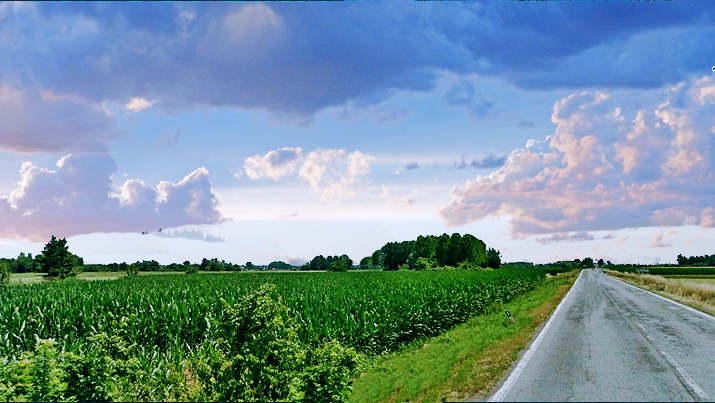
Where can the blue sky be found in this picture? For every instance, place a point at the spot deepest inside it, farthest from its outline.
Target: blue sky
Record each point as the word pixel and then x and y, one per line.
pixel 551 130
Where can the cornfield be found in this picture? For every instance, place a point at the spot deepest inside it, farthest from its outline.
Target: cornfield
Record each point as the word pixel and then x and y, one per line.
pixel 370 311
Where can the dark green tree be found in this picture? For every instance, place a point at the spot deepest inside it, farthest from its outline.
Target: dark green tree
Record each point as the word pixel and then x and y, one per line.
pixel 493 258
pixel 366 261
pixel 57 261
pixel 250 266
pixel 377 257
pixel 588 262
pixel 338 265
pixel 600 262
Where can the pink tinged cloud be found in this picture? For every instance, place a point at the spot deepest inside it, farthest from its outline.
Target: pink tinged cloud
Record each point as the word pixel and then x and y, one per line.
pixel 78 198
pixel 32 120
pixel 600 171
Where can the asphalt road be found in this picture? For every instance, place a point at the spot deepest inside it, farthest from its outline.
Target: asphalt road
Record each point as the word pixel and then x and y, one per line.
pixel 608 341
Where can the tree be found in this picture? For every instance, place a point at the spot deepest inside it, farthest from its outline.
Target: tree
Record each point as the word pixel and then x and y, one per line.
pixel 338 265
pixel 250 266
pixel 600 262
pixel 682 260
pixel 366 261
pixel 377 257
pixel 493 258
pixel 133 269
pixel 4 272
pixel 588 262
pixel 57 261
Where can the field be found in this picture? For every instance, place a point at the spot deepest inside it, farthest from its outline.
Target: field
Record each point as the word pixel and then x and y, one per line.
pixel 697 291
pixel 166 319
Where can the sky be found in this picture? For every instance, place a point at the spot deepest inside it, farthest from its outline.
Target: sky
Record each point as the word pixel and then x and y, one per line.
pixel 263 131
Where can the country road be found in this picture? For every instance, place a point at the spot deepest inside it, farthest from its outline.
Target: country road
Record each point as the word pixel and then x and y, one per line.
pixel 609 341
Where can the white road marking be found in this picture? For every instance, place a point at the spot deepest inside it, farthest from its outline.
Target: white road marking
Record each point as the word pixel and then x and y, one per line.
pixel 669 300
pixel 501 393
pixel 683 375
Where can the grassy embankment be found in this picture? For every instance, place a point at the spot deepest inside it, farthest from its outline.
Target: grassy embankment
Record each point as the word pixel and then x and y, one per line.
pixel 466 362
pixel 695 292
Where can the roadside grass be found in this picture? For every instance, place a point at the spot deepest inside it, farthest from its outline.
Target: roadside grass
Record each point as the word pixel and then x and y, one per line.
pixel 695 292
pixel 466 362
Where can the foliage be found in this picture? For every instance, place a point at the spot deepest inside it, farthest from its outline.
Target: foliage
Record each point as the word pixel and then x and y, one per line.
pixel 36 376
pixel 133 269
pixel 369 311
pixel 259 350
pixel 338 265
pixel 706 260
pixel 327 376
pixel 493 258
pixel 377 257
pixel 57 261
pixel 444 250
pixel 278 265
pixel 366 261
pixel 322 263
pixel 250 266
pixel 191 269
pixel 4 273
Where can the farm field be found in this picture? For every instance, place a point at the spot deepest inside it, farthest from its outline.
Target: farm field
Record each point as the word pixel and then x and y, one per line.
pixel 169 319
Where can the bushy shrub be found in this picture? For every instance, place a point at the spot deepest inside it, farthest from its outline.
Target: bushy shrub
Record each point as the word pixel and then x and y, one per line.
pixel 338 266
pixel 133 269
pixel 327 377
pixel 4 273
pixel 36 376
pixel 258 352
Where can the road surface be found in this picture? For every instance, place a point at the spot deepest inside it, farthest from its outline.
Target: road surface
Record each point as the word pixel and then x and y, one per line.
pixel 609 341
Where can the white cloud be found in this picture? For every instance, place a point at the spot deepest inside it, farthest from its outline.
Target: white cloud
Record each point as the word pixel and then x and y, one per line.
pixel 138 104
pixel 274 164
pixel 601 171
pixel 78 198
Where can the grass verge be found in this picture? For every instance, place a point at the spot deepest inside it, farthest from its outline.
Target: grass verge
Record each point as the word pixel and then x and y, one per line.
pixel 695 294
pixel 466 362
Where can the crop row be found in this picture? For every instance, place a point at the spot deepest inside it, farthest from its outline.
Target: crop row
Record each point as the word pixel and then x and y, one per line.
pixel 370 311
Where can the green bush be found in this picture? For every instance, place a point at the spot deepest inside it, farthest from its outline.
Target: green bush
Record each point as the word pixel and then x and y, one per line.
pixel 192 269
pixel 36 376
pixel 133 269
pixel 338 266
pixel 4 273
pixel 257 353
pixel 327 377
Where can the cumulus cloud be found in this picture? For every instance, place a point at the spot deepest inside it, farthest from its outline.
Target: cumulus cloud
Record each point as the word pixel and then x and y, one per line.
pixel 331 173
pixel 274 164
pixel 77 198
pixel 601 171
pixel 404 202
pixel 33 120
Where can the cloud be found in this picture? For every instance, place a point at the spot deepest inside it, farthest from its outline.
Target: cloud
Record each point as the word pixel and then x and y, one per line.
pixel 488 161
pixel 565 236
pixel 463 93
pixel 189 234
pixel 293 59
pixel 274 164
pixel 404 202
pixel 138 104
pixel 331 173
pixel 601 171
pixel 78 198
pixel 33 120
pixel 659 240
pixel 411 165
pixel 526 124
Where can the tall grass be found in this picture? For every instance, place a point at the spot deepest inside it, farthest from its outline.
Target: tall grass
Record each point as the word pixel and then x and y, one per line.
pixel 701 292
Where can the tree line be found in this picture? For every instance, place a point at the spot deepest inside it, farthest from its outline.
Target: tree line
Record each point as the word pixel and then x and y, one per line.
pixel 705 260
pixel 429 252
